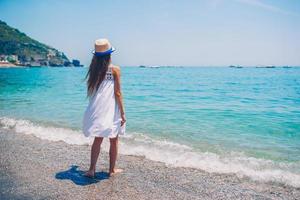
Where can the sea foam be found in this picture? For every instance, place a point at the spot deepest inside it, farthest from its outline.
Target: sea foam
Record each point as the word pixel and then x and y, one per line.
pixel 173 154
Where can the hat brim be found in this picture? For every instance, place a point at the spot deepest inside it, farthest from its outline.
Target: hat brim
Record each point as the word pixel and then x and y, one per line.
pixel 112 49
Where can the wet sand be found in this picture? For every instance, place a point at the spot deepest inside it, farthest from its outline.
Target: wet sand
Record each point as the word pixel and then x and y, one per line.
pixel 31 168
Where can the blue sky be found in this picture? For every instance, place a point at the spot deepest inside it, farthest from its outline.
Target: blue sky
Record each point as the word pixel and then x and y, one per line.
pixel 166 32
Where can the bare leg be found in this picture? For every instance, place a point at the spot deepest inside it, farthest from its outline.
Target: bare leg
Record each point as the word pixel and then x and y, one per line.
pixel 94 156
pixel 113 153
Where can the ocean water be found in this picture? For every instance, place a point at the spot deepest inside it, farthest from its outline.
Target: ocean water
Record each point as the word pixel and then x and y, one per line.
pixel 244 121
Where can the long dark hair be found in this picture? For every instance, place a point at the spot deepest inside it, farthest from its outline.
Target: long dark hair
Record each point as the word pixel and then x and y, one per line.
pixel 97 72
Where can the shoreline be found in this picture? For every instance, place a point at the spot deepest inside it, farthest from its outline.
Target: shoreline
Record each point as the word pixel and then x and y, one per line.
pixel 8 65
pixel 170 153
pixel 39 169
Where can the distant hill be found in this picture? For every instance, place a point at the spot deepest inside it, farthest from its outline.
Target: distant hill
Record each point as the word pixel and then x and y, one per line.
pixel 28 50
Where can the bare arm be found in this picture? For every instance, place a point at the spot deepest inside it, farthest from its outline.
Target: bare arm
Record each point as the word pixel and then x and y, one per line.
pixel 118 93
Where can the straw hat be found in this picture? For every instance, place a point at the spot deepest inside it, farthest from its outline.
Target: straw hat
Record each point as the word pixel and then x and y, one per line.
pixel 103 47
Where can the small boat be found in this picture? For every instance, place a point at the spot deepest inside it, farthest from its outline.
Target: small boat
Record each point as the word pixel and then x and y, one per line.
pixel 233 66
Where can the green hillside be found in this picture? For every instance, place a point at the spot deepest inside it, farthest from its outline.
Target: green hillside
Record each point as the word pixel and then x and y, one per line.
pixel 28 50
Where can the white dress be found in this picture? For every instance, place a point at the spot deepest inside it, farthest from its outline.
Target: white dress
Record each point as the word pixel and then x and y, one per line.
pixel 102 117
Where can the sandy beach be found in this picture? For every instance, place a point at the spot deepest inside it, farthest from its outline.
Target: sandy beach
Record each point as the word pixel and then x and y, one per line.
pixel 32 168
pixel 7 65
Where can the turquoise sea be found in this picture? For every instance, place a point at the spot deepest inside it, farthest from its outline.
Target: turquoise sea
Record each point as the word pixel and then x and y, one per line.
pixel 219 119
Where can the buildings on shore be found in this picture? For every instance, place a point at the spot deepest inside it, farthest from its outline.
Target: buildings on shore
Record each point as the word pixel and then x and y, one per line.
pixel 37 60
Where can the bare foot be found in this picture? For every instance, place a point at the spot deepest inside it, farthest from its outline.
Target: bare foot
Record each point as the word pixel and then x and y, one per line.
pixel 90 174
pixel 115 171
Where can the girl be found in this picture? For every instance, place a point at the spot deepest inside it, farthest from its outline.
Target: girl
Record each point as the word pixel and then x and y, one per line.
pixel 105 115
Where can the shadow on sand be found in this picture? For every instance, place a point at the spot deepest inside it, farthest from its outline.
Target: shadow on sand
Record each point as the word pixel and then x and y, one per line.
pixel 77 176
